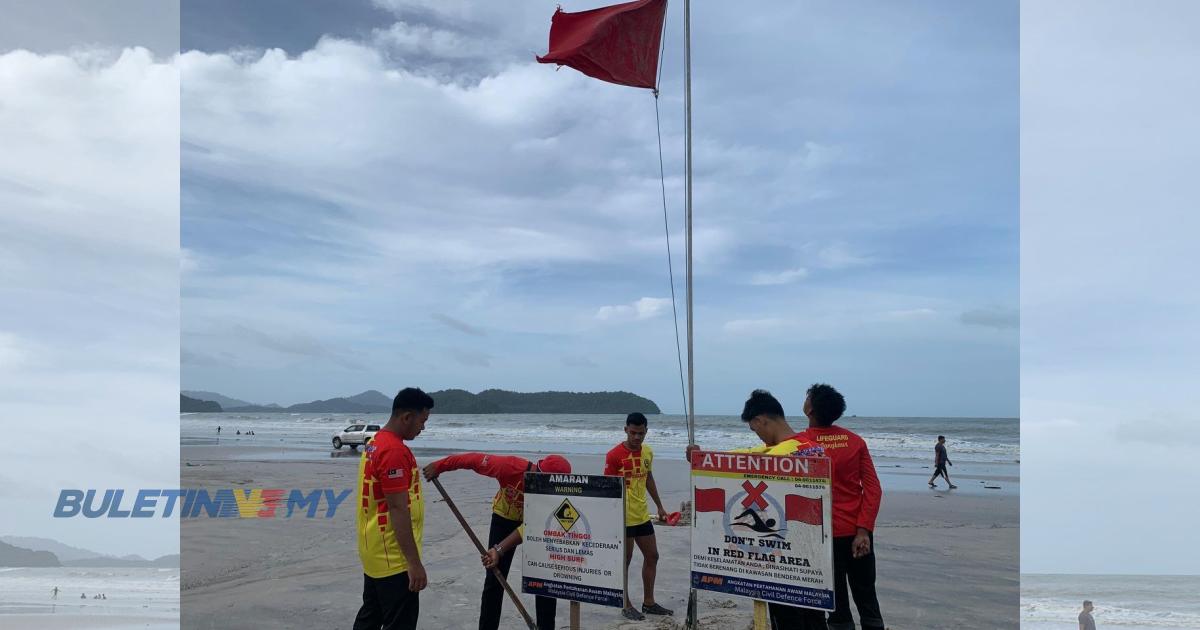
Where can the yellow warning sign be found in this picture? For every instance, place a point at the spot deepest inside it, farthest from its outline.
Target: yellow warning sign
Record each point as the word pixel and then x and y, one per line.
pixel 566 515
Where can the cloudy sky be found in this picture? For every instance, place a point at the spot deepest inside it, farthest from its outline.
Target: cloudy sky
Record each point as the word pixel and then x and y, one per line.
pixel 394 193
pixel 1109 302
pixel 89 264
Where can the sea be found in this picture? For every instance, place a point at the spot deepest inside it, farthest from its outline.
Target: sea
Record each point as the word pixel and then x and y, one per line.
pixel 143 597
pixel 985 448
pixel 1125 602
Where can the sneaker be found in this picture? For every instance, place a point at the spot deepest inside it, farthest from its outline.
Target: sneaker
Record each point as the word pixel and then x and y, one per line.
pixel 953 487
pixel 655 609
pixel 633 614
pixel 932 485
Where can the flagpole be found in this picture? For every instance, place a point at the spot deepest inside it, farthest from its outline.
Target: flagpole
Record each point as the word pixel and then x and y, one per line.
pixel 687 106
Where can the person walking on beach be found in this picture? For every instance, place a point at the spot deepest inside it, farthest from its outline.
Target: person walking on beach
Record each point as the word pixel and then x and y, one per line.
pixel 941 459
pixel 508 509
pixel 856 498
pixel 763 414
pixel 54 593
pixel 391 519
pixel 1085 618
pixel 632 460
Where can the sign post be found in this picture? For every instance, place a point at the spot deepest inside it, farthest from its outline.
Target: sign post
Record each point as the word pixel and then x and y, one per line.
pixel 761 527
pixel 574 546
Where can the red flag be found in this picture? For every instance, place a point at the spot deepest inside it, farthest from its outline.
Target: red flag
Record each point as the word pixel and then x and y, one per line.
pixel 618 44
pixel 803 509
pixel 710 499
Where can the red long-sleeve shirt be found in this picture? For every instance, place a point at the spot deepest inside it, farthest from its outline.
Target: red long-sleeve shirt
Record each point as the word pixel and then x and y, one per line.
pixel 508 470
pixel 856 489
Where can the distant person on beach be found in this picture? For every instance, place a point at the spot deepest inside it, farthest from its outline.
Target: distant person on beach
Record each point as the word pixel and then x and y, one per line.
pixel 391 519
pixel 54 593
pixel 508 510
pixel 856 498
pixel 763 414
pixel 218 429
pixel 1085 618
pixel 941 459
pixel 632 460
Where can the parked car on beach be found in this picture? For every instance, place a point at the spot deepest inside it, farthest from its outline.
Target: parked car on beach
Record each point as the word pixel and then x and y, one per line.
pixel 354 435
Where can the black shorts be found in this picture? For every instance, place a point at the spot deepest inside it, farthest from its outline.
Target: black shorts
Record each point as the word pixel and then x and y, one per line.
pixel 637 531
pixel 940 469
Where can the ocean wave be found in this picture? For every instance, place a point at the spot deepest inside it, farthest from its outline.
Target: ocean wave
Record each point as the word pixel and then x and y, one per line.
pixel 970 441
pixel 1115 616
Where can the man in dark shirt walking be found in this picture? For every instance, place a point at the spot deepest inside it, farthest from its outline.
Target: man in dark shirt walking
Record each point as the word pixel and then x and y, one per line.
pixel 941 460
pixel 1085 618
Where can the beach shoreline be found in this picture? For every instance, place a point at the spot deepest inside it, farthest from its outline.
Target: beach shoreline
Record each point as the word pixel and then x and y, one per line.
pixel 945 559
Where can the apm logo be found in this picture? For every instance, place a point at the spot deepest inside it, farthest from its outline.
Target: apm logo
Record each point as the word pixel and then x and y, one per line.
pixel 194 503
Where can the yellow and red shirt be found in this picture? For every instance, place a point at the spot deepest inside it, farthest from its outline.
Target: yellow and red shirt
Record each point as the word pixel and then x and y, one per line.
pixel 507 470
pixel 797 445
pixel 635 467
pixel 386 467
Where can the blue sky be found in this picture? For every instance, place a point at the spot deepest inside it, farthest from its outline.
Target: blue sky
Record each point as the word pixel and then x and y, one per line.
pixel 397 194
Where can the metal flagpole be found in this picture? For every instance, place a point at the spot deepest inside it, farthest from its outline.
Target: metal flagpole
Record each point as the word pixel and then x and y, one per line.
pixel 687 104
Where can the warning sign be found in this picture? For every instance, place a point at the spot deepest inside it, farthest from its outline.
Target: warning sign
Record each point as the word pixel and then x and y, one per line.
pixel 574 538
pixel 762 527
pixel 567 515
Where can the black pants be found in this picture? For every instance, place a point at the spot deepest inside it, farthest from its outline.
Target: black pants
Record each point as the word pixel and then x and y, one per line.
pixel 860 573
pixel 388 604
pixel 795 618
pixel 493 591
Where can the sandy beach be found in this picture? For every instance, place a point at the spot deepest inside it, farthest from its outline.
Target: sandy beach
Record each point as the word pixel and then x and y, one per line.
pixel 946 560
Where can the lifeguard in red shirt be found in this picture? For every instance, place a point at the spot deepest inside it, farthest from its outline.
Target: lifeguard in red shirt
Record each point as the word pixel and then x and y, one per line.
pixel 856 497
pixel 508 510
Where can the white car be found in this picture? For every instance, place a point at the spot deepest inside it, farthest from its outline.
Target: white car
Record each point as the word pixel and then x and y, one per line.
pixel 354 435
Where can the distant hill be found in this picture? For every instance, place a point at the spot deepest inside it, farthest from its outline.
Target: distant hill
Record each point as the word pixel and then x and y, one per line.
pixel 65 553
pixel 68 556
pixel 225 401
pixel 334 405
pixel 191 405
pixel 462 401
pixel 11 556
pixel 127 561
pixel 558 402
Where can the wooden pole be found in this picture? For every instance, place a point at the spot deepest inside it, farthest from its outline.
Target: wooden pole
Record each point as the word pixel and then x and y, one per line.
pixel 574 615
pixel 478 545
pixel 762 615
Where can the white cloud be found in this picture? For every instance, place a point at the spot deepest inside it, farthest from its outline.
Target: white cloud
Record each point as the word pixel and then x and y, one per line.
pixel 840 256
pixel 644 308
pixel 780 277
pixel 89 186
pixel 906 314
pixel 756 326
pixel 13 351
